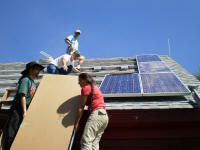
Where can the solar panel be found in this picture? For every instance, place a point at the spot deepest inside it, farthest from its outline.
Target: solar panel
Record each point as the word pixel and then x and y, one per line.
pixel 147 58
pixel 162 84
pixel 121 85
pixel 152 67
pixel 154 79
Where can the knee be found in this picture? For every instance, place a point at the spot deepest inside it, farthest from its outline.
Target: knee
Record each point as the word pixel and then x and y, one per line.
pixel 84 143
pixel 82 58
pixel 51 69
pixel 69 70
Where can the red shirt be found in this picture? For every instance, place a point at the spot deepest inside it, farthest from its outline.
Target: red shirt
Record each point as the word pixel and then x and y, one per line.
pixel 98 100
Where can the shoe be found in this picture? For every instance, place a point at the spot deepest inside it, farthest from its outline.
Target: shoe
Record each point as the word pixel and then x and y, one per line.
pixel 78 67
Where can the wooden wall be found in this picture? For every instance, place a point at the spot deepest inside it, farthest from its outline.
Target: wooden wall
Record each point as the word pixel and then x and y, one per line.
pixel 149 130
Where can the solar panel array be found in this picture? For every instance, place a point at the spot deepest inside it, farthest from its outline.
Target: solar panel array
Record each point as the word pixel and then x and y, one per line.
pixel 154 79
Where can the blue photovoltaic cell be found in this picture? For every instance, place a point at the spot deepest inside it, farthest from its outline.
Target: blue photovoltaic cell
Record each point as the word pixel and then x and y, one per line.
pixel 152 67
pixel 148 58
pixel 121 84
pixel 162 84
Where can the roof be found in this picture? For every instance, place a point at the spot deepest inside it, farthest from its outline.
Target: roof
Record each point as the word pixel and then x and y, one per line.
pixel 98 68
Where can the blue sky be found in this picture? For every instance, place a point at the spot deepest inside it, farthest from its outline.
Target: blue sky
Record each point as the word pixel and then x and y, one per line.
pixel 111 28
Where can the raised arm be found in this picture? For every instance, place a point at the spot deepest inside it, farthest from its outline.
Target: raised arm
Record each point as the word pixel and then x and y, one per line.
pixel 68 42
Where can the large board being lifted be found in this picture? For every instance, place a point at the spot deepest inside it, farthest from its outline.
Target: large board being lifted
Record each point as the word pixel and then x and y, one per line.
pixel 51 116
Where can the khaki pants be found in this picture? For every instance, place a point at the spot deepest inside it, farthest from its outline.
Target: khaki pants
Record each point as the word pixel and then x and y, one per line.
pixel 94 128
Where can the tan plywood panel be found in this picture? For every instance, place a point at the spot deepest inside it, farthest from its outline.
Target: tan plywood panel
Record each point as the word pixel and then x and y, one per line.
pixel 51 116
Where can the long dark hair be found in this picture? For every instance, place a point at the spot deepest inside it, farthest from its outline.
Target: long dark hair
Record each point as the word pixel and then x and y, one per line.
pixel 30 65
pixel 88 78
pixel 24 73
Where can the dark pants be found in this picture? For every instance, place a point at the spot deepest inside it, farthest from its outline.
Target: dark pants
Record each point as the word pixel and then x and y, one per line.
pixel 12 127
pixel 52 69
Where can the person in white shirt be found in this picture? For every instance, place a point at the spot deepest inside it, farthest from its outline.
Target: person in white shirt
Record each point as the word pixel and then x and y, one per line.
pixel 64 64
pixel 72 42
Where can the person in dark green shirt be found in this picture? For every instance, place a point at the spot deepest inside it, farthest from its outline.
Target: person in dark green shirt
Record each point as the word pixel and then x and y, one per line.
pixel 25 92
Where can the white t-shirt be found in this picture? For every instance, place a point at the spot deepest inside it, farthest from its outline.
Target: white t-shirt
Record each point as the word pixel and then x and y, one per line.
pixel 58 61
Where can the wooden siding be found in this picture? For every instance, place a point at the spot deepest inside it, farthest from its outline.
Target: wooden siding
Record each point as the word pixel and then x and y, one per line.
pixel 149 130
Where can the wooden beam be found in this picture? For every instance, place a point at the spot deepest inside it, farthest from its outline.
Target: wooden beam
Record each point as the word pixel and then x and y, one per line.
pixel 5 97
pixel 12 90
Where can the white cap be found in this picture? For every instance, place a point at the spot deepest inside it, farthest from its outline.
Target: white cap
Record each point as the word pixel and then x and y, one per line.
pixel 78 31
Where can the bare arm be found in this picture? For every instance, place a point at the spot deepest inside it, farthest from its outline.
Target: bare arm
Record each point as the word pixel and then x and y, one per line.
pixel 76 70
pixel 64 62
pixel 68 42
pixel 70 45
pixel 23 104
pixel 80 110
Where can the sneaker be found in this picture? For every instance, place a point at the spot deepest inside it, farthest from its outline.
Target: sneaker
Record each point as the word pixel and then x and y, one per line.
pixel 78 67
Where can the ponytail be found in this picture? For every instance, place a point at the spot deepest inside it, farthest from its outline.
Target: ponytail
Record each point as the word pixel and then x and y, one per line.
pixel 88 78
pixel 24 73
pixel 92 92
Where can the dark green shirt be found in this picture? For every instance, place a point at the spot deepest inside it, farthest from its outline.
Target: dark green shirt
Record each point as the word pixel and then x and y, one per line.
pixel 28 88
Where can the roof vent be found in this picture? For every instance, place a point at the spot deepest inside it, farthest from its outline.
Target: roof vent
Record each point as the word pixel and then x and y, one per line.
pixel 124 59
pixel 97 68
pixel 123 68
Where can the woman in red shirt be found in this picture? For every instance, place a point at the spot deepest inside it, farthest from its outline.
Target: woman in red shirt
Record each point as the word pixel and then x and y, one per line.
pixel 98 118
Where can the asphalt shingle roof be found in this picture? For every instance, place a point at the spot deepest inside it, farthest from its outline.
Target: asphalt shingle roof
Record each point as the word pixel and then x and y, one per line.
pixel 98 68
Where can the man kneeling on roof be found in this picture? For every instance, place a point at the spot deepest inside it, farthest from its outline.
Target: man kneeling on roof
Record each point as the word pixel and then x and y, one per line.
pixel 64 64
